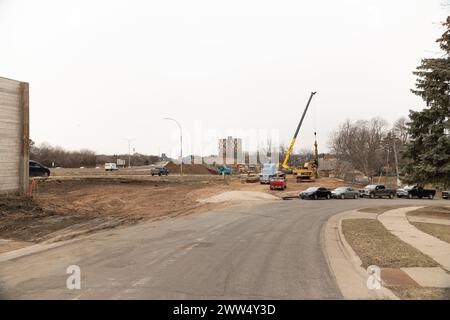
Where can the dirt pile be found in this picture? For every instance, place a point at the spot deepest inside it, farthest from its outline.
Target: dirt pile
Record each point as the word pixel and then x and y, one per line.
pixel 189 168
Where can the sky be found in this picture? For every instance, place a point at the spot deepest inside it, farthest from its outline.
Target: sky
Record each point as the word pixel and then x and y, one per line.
pixel 102 72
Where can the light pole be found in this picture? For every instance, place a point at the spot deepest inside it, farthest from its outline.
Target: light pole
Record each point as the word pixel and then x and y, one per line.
pixel 181 143
pixel 129 152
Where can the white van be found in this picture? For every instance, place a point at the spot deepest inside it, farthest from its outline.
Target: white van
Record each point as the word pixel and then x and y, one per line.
pixel 110 166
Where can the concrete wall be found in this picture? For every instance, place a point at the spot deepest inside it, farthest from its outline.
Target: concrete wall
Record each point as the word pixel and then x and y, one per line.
pixel 14 136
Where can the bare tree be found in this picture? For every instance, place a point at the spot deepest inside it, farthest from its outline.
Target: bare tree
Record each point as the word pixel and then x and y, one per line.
pixel 361 144
pixel 400 130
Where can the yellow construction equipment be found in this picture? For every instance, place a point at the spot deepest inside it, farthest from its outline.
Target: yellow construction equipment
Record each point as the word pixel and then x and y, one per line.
pixel 309 169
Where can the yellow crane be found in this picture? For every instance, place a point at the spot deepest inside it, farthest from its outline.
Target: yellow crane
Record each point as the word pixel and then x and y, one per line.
pixel 309 168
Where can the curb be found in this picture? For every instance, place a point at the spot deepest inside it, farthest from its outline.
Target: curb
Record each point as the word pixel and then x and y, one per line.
pixel 345 265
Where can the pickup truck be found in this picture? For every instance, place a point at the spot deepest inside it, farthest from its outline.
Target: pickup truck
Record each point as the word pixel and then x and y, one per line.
pixel 159 171
pixel 415 192
pixel 377 191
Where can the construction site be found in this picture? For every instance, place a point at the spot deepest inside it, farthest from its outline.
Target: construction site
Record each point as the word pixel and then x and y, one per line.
pixel 70 202
pixel 201 163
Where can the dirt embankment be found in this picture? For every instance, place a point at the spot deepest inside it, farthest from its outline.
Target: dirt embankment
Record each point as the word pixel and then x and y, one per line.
pixel 189 169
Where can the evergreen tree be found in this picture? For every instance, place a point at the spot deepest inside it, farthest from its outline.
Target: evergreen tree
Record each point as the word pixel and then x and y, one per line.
pixel 427 153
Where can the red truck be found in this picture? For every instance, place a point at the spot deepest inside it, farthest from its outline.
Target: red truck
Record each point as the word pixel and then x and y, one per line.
pixel 278 182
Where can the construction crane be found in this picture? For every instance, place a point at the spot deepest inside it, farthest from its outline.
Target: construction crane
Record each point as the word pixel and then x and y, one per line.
pixel 309 168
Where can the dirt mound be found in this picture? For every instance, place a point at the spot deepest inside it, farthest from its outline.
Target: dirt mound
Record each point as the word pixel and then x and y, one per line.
pixel 190 168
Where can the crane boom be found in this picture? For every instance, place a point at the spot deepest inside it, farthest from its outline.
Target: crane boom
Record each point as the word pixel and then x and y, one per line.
pixel 291 146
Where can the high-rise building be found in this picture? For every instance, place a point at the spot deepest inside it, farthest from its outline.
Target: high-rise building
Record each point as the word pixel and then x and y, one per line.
pixel 230 151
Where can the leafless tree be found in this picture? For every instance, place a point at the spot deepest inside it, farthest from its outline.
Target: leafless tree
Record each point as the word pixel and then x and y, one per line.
pixel 400 130
pixel 361 144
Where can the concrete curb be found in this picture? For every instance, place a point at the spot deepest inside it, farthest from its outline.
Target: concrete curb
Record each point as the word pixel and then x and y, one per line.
pixel 345 264
pixel 10 255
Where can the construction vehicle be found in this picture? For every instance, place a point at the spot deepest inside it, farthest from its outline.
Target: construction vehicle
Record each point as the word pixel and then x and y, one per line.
pixel 268 171
pixel 309 169
pixel 223 170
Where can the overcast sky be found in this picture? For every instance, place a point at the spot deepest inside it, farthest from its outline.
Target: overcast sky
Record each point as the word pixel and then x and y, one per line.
pixel 103 71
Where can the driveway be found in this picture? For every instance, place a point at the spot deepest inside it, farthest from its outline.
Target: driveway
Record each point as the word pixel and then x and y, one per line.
pixel 257 250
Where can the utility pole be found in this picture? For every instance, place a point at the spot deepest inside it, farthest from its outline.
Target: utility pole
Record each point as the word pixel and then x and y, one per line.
pixel 395 159
pixel 181 143
pixel 129 151
pixel 316 157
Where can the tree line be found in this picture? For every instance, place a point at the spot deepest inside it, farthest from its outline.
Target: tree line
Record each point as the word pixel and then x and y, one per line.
pixel 54 156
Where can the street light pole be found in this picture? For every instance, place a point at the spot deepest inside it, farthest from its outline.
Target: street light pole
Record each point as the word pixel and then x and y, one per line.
pixel 181 143
pixel 129 151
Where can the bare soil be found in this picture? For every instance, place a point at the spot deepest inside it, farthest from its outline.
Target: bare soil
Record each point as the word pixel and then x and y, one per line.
pixel 375 245
pixel 66 206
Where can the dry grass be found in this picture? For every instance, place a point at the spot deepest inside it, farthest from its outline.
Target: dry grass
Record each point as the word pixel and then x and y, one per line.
pixel 439 212
pixel 439 231
pixel 382 209
pixel 419 293
pixel 375 245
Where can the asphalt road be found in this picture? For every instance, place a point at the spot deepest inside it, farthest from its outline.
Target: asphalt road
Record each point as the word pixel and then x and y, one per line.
pixel 263 250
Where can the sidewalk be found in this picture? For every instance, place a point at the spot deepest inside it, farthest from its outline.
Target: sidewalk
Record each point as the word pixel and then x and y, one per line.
pixel 397 223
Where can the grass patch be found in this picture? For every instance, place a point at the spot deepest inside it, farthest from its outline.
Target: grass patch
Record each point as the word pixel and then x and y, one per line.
pixel 382 209
pixel 377 246
pixel 439 212
pixel 419 293
pixel 439 231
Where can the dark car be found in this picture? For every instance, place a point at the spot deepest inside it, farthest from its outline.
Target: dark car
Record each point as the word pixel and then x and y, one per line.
pixel 415 192
pixel 159 171
pixel 38 170
pixel 315 193
pixel 377 191
pixel 446 195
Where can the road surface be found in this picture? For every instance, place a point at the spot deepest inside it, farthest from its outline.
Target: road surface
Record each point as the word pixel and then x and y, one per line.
pixel 258 250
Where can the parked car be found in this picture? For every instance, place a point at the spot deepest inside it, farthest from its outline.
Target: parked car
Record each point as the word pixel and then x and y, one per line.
pixel 377 191
pixel 159 171
pixel 414 191
pixel 38 170
pixel 315 193
pixel 345 193
pixel 278 182
pixel 446 195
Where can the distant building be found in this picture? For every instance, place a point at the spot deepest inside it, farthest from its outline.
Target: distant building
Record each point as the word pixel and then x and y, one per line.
pixel 230 151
